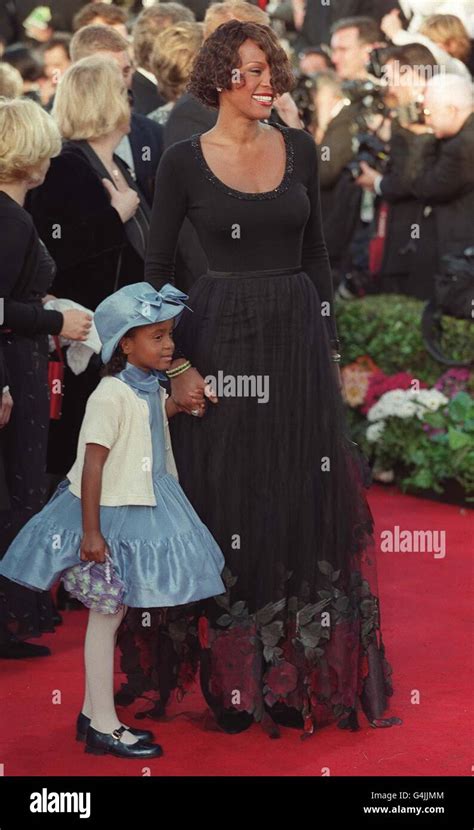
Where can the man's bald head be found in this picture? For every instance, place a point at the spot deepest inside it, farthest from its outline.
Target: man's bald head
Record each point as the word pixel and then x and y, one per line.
pixel 449 100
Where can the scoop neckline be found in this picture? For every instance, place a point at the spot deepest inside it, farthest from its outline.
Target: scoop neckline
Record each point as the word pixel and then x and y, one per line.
pixel 243 194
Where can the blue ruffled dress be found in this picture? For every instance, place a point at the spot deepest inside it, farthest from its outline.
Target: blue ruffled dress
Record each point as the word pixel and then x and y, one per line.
pixel 164 554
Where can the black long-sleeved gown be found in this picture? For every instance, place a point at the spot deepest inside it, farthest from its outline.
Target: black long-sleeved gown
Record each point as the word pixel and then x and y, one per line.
pixel 269 469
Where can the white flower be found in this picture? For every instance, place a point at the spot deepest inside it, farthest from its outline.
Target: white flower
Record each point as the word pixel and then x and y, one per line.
pixel 374 431
pixel 388 404
pixel 406 410
pixel 406 403
pixel 431 398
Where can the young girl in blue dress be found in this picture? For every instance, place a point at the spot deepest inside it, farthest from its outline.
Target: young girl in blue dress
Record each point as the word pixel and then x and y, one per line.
pixel 122 501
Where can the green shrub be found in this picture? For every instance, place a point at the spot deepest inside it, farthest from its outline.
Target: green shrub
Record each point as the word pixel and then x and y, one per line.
pixel 387 327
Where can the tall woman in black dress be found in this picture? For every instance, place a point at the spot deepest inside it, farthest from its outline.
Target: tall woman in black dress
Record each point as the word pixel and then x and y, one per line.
pixel 296 639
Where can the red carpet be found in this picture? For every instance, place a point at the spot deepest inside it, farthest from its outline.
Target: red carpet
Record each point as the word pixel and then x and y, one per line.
pixel 426 606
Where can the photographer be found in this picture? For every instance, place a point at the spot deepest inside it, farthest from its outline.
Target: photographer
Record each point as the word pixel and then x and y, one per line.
pixel 408 259
pixel 352 40
pixel 440 165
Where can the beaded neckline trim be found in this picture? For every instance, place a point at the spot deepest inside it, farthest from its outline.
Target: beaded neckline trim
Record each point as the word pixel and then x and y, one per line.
pixel 240 194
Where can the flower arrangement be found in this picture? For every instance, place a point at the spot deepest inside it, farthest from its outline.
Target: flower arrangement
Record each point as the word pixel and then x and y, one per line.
pixel 422 436
pixel 383 351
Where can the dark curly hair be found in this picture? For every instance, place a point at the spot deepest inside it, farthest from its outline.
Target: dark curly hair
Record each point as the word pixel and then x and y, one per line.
pixel 118 360
pixel 219 55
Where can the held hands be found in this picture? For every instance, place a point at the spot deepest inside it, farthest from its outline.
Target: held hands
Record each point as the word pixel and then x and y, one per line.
pixel 189 392
pixel 76 325
pixel 124 199
pixel 93 546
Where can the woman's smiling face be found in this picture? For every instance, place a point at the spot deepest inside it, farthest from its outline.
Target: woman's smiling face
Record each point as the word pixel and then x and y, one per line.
pixel 251 94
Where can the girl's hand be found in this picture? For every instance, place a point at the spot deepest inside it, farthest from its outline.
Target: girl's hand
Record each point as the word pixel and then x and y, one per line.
pixel 93 546
pixel 188 392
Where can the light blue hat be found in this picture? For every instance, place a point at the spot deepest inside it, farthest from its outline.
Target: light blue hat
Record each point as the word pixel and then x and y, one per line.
pixel 135 305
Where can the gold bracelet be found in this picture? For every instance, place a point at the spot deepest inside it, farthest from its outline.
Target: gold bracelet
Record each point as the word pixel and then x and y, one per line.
pixel 180 372
pixel 173 373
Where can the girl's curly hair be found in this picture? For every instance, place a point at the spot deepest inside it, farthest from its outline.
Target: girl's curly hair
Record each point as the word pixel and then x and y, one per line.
pixel 219 56
pixel 118 360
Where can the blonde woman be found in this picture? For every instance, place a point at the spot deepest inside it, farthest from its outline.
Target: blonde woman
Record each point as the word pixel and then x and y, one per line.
pixel 448 32
pixel 29 138
pixel 90 215
pixel 172 61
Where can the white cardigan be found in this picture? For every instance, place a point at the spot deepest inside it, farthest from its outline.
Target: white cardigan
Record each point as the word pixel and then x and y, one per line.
pixel 117 418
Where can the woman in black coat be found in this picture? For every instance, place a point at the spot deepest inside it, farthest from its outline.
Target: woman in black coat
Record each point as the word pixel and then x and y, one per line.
pixel 92 218
pixel 28 139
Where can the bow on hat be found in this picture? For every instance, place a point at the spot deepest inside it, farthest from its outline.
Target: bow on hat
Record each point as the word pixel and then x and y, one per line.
pixel 167 294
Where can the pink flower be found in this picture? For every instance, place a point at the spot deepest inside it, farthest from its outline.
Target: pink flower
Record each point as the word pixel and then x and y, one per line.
pixel 453 381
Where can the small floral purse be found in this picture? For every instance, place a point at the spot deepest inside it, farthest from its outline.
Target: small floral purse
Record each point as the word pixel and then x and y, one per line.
pixel 96 585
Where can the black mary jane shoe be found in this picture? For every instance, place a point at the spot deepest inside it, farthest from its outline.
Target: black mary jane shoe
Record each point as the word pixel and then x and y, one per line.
pixel 103 743
pixel 83 723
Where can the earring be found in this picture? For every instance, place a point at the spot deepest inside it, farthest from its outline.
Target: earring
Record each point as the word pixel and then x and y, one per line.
pixel 219 88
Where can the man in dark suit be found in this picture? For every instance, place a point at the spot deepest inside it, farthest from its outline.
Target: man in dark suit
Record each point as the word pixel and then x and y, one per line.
pixel 150 22
pixel 142 148
pixel 146 96
pixel 409 251
pixel 187 117
pixel 440 165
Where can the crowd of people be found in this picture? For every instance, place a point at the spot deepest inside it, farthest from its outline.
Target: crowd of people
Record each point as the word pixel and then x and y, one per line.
pixel 92 97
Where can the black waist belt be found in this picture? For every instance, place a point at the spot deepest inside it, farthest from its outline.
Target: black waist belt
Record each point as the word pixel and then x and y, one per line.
pixel 271 272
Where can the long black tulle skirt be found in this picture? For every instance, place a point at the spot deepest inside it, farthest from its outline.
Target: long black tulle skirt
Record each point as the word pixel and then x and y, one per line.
pixel 272 472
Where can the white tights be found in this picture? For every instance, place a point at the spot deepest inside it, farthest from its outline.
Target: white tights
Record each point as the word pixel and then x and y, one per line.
pixel 99 647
